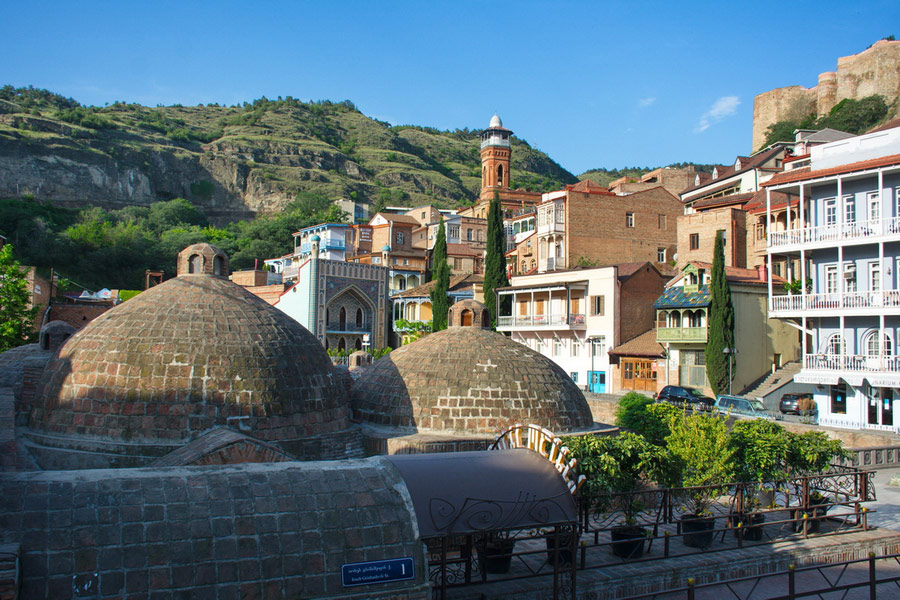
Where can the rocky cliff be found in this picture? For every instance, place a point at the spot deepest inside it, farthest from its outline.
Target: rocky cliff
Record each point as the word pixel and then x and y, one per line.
pixel 237 161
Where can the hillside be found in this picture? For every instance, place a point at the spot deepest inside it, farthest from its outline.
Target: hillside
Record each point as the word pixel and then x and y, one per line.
pixel 234 162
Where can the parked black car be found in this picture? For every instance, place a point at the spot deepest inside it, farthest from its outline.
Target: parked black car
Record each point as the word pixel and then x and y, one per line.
pixel 685 396
pixel 790 403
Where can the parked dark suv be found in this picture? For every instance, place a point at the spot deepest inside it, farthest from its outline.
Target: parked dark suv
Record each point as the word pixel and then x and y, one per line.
pixel 790 404
pixel 685 396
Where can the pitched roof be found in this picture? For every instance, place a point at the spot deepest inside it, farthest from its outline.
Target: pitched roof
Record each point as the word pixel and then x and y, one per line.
pixel 747 163
pixel 587 186
pixel 889 125
pixel 677 297
pixel 644 344
pixel 806 173
pixel 724 200
pixel 397 218
pixel 462 250
pixel 457 282
pixel 737 274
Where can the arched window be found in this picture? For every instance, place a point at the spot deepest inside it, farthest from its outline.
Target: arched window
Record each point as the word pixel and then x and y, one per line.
pixel 872 347
pixel 524 264
pixel 195 264
pixel 484 319
pixel 359 343
pixel 359 317
pixel 532 264
pixel 674 319
pixel 835 344
pixel 343 321
pixel 218 266
pixel 342 345
pixel 466 318
pixel 484 176
pixel 500 175
pixel 327 316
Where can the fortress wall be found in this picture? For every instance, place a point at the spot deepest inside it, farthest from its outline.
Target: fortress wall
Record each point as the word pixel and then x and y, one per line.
pixel 875 70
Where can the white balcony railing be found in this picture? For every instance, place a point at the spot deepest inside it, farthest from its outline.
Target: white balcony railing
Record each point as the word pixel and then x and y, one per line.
pixel 828 233
pixel 852 362
pixel 289 272
pixel 833 301
pixel 541 320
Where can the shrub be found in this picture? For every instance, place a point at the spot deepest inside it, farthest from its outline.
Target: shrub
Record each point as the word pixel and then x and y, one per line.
pixel 813 452
pixel 643 416
pixel 702 456
pixel 761 450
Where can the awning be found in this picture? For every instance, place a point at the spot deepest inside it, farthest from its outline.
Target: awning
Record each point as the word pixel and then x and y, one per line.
pixel 469 492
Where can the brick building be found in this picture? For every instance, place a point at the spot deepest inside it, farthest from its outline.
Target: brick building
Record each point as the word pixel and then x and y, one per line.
pixel 586 224
pixel 387 240
pixel 672 179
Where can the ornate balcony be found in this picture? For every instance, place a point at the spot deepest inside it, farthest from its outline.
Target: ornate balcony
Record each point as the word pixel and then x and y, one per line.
pixel 572 321
pixel 836 302
pixel 681 334
pixel 834 233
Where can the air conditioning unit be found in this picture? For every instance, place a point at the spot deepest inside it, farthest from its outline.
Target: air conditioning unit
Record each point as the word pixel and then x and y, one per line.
pixel 849 270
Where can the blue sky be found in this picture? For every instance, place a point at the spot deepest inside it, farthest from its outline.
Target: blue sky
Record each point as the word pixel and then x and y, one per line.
pixel 593 84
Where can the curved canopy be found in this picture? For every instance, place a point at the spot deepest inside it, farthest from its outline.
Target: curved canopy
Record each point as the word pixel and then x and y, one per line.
pixel 468 492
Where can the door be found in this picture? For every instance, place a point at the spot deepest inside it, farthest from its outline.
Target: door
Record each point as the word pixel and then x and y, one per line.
pixel 597 382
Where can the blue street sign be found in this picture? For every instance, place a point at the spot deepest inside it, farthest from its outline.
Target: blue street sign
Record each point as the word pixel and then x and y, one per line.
pixel 377 571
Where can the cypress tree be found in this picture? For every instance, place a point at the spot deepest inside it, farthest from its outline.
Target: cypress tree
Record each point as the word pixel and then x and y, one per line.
pixel 440 303
pixel 495 260
pixel 720 323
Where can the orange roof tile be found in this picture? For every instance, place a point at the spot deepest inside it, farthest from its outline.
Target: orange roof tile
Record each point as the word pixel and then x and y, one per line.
pixel 806 173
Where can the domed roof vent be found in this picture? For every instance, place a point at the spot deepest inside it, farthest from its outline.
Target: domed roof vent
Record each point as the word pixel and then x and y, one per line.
pixel 203 259
pixel 469 313
pixel 54 333
pixel 495 122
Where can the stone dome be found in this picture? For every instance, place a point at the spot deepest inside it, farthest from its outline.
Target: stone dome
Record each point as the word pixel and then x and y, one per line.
pixel 468 380
pixel 495 122
pixel 190 354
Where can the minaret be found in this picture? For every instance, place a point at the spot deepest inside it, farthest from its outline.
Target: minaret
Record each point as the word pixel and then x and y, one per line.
pixel 495 156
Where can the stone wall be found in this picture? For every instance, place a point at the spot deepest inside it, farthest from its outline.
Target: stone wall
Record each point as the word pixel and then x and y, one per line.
pixel 872 71
pixel 279 530
pixel 705 224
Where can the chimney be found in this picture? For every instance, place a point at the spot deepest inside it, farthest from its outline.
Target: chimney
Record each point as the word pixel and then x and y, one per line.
pixel 761 272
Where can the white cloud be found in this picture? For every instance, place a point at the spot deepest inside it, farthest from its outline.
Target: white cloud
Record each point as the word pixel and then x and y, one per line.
pixel 721 108
pixel 644 102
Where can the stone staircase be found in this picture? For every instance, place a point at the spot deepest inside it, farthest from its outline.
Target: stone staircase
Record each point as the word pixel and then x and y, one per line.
pixel 773 381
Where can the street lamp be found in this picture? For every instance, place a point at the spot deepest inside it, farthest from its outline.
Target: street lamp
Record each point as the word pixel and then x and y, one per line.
pixel 729 352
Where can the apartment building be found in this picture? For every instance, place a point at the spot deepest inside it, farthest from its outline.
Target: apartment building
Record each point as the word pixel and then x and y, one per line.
pixel 682 327
pixel 574 316
pixel 845 242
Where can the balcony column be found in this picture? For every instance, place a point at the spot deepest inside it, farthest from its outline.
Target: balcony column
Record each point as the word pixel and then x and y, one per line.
pixel 883 228
pixel 804 349
pixel 802 208
pixel 568 304
pixel 769 238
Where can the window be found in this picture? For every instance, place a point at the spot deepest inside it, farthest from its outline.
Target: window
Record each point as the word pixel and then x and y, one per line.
pixel 872 347
pixel 875 276
pixel 629 219
pixel 830 211
pixel 831 279
pixel 453 231
pixel 849 209
pixel 405 261
pixel 724 235
pixel 574 376
pixel 838 400
pixel 761 230
pixel 557 347
pixel 598 305
pixel 874 201
pixel 834 345
pixel 661 255
pixel 598 346
pixel 576 348
pixel 695 241
pixel 399 237
pixel 423 215
pixel 457 263
pixel 661 221
pixel 560 215
pixel 469 234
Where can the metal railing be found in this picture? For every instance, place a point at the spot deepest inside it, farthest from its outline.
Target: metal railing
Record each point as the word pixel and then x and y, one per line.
pixel 540 320
pixel 851 362
pixel 836 300
pixel 828 233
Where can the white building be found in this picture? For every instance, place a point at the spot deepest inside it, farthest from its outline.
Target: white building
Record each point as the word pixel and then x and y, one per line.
pixel 574 316
pixel 844 236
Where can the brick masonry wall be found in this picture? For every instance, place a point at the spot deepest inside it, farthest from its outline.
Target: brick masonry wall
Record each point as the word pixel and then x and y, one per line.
pixel 249 531
pixel 705 225
pixel 637 295
pixel 595 226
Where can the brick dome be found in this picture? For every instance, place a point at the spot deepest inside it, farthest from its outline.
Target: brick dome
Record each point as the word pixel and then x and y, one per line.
pixel 468 380
pixel 190 354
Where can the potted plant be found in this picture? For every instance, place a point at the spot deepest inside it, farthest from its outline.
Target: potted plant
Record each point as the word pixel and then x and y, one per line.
pixel 704 459
pixel 812 453
pixel 495 552
pixel 615 468
pixel 761 451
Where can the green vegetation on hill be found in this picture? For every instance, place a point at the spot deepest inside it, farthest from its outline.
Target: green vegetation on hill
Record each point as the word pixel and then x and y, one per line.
pixel 97 248
pixel 604 177
pixel 268 149
pixel 849 115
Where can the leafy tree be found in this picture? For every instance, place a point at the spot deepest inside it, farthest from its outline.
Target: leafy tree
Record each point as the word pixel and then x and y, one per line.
pixel 643 416
pixel 440 302
pixel 495 260
pixel 812 452
pixel 855 116
pixel 702 456
pixel 16 319
pixel 761 450
pixel 721 323
pixel 173 213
